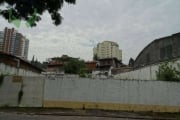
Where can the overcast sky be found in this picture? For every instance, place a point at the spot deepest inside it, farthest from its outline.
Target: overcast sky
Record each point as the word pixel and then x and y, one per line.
pixel 133 24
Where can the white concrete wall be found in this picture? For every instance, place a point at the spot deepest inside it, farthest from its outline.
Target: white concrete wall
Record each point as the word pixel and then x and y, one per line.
pixel 9 92
pixel 37 90
pixel 113 91
pixel 145 73
pixel 33 88
pixel 9 70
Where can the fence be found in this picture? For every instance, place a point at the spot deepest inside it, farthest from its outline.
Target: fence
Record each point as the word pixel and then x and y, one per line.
pixel 82 93
pixel 18 91
pixel 144 73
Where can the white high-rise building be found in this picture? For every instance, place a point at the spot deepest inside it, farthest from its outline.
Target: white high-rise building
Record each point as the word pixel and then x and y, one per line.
pixel 25 48
pixel 107 49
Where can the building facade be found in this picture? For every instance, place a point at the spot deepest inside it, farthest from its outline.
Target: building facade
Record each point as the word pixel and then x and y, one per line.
pixel 26 48
pixel 107 49
pixel 13 65
pixel 14 43
pixel 107 63
pixel 9 40
pixel 149 60
pixel 159 50
pixel 91 66
pixel 56 64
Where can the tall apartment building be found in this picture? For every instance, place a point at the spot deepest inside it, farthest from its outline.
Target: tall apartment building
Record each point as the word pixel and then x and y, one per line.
pixel 9 39
pixel 15 43
pixel 107 49
pixel 26 48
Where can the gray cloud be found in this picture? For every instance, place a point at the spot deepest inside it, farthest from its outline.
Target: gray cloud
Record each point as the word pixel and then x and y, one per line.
pixel 133 24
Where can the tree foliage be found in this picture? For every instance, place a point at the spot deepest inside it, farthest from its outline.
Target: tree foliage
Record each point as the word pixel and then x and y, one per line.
pixel 74 66
pixel 29 10
pixel 167 72
pixel 38 63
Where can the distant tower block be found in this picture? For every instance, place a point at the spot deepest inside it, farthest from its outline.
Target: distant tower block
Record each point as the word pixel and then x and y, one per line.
pixel 107 49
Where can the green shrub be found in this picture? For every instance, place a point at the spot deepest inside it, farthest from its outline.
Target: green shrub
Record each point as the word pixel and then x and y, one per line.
pixel 167 72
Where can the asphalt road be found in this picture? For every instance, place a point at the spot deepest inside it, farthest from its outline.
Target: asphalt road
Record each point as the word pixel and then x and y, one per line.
pixel 15 116
pixel 70 114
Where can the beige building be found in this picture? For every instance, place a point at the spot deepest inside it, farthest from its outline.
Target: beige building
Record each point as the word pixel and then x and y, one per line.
pixel 107 49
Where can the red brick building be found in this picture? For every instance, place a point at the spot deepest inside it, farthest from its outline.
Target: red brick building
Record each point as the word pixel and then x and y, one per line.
pixel 91 65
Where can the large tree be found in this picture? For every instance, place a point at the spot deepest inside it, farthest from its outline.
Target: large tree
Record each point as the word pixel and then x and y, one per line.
pixel 74 66
pixel 31 10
